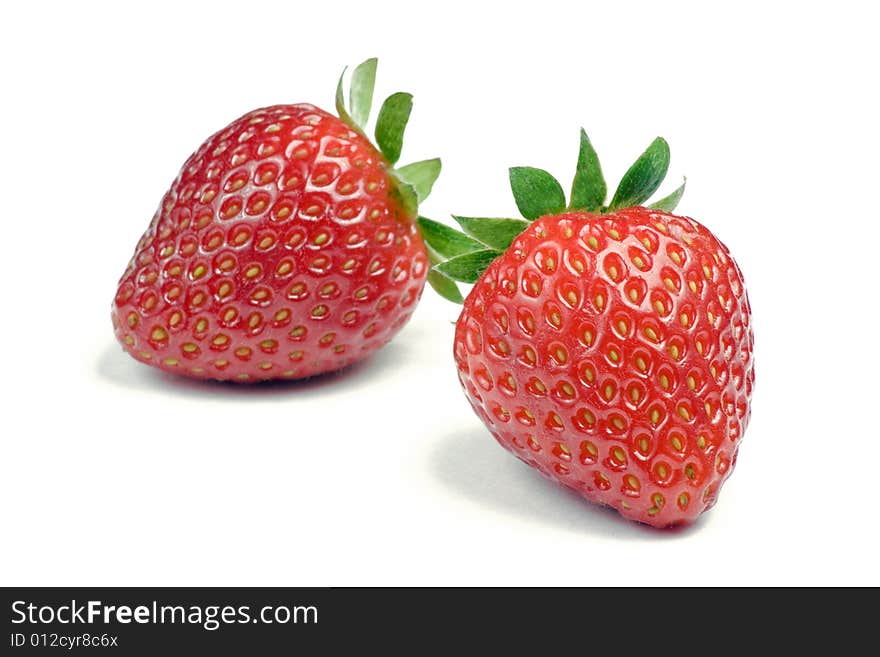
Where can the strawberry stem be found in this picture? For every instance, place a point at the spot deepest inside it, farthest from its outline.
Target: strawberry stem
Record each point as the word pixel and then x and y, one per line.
pixel 464 256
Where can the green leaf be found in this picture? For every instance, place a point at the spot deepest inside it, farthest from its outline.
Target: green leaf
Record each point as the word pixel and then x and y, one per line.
pixel 391 124
pixel 643 177
pixel 340 101
pixel 495 233
pixel 433 257
pixel 469 267
pixel 536 192
pixel 588 189
pixel 444 286
pixel 363 81
pixel 421 175
pixel 669 203
pixel 445 240
pixel 407 196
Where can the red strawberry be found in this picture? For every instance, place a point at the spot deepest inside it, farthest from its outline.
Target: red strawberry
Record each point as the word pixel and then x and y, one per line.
pixel 286 247
pixel 608 347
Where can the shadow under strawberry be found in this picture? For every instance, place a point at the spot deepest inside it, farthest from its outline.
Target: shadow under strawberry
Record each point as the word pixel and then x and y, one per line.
pixel 468 465
pixel 128 374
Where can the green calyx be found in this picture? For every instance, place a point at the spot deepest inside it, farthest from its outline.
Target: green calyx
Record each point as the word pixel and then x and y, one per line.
pixel 413 182
pixel 463 256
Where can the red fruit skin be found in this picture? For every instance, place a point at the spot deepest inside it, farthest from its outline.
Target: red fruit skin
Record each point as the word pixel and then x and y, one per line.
pixel 614 354
pixel 281 250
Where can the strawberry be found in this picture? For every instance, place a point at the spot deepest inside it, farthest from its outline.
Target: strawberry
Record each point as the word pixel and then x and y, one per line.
pixel 609 347
pixel 286 246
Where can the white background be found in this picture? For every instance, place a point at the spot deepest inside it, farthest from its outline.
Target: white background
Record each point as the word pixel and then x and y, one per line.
pixel 115 474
